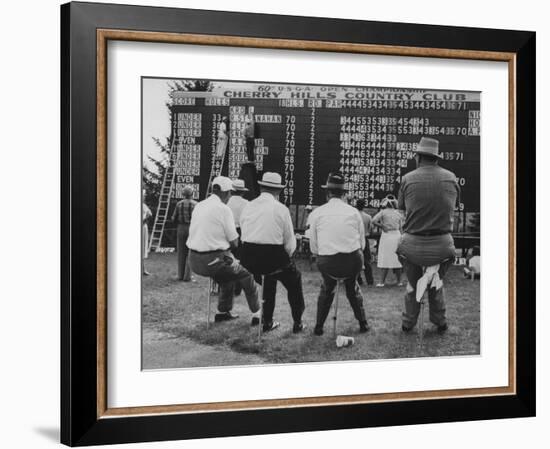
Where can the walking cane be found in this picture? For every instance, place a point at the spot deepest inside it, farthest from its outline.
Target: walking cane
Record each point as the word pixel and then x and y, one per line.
pixel 261 310
pixel 421 327
pixel 208 307
pixel 336 308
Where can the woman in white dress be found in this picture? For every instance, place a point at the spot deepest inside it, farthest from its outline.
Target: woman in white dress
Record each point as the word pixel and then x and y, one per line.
pixel 145 215
pixel 390 220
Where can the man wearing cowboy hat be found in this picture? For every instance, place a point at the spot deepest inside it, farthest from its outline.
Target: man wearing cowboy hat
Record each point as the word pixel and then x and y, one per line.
pixel 428 195
pixel 182 218
pixel 268 244
pixel 211 235
pixel 337 237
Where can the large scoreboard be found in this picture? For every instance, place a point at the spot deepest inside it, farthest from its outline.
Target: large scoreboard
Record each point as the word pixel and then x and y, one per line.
pixel 304 132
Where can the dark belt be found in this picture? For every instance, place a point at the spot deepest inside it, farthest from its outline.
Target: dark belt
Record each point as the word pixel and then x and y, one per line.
pixel 209 252
pixel 429 233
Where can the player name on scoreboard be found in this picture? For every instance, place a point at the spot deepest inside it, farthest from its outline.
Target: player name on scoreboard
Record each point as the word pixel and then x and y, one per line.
pixel 304 132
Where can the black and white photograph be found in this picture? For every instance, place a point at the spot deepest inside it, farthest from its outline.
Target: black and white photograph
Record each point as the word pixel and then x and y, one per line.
pixel 304 223
pixel 262 224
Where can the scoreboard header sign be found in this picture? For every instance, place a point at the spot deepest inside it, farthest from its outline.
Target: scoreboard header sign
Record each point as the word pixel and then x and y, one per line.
pixel 288 91
pixel 304 132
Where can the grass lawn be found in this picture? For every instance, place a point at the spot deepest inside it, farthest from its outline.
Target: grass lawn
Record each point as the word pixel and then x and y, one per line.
pixel 175 336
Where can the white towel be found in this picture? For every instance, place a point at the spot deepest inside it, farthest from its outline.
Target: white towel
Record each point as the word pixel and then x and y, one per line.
pixel 430 279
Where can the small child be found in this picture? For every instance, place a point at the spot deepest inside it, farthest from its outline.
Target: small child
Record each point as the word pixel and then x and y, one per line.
pixel 473 264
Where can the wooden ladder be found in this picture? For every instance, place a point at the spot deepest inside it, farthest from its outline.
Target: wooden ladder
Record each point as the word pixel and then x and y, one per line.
pixel 164 201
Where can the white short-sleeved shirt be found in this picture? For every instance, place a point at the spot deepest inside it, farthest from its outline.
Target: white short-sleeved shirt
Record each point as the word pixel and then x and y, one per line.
pixel 236 204
pixel 267 221
pixel 334 228
pixel 212 226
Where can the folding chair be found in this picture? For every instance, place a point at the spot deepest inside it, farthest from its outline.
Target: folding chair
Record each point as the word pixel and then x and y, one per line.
pixel 261 301
pixel 339 282
pixel 421 325
pixel 422 302
pixel 209 295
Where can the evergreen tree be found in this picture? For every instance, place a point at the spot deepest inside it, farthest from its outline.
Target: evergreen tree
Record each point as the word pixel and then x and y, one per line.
pixel 153 175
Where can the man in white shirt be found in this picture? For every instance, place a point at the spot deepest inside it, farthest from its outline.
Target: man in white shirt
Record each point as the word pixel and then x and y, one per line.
pixel 337 238
pixel 268 245
pixel 237 203
pixel 212 234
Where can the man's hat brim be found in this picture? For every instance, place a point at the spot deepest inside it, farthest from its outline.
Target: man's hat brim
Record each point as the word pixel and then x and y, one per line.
pixel 272 185
pixel 429 153
pixel 328 185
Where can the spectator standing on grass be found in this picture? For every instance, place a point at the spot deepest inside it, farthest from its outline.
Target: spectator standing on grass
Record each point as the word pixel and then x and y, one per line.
pixel 211 235
pixel 250 136
pixel 268 245
pixel 367 221
pixel 337 238
pixel 223 138
pixel 237 203
pixel 428 195
pixel 145 215
pixel 390 220
pixel 182 218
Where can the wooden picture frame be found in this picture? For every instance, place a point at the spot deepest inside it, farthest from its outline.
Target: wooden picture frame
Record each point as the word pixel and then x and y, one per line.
pixel 86 29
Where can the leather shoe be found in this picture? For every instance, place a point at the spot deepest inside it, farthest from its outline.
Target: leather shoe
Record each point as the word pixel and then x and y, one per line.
pixel 298 327
pixel 318 330
pixel 225 316
pixel 270 326
pixel 442 329
pixel 406 329
pixel 255 321
pixel 364 327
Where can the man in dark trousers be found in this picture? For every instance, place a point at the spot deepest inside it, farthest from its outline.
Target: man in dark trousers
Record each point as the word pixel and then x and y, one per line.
pixel 337 236
pixel 182 218
pixel 367 221
pixel 211 236
pixel 250 136
pixel 268 244
pixel 428 196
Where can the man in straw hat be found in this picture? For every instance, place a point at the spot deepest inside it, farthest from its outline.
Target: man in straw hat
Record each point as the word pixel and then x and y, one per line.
pixel 182 218
pixel 237 203
pixel 211 235
pixel 337 237
pixel 428 196
pixel 268 244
